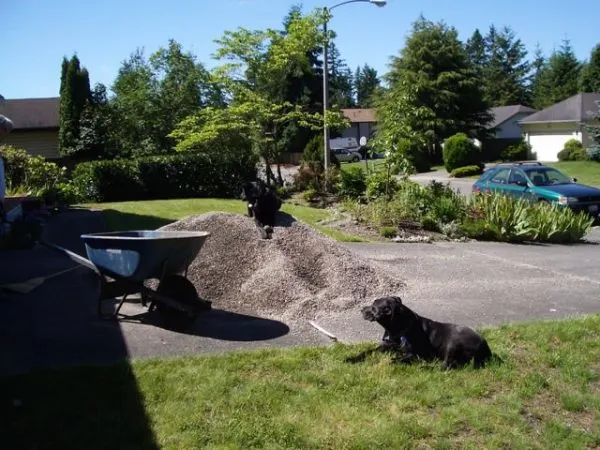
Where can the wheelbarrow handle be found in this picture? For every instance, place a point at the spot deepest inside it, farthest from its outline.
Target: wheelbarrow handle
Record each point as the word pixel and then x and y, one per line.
pixel 72 255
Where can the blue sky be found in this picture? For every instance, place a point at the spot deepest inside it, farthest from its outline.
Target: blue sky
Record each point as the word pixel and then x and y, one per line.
pixel 37 33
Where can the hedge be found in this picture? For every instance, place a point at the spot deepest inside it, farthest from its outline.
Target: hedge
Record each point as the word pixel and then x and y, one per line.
pixel 466 171
pixel 161 177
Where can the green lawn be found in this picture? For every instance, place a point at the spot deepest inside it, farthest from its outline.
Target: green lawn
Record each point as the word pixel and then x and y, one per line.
pixel 156 213
pixel 586 172
pixel 373 165
pixel 546 395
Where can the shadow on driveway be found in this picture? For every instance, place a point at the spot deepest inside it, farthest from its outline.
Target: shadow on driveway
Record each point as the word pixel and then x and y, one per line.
pixel 56 325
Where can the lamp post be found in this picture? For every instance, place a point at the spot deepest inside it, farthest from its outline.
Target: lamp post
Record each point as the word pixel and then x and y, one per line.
pixel 379 3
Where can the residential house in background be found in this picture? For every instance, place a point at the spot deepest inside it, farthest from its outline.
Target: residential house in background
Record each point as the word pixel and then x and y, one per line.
pixel 362 123
pixel 549 129
pixel 36 124
pixel 506 120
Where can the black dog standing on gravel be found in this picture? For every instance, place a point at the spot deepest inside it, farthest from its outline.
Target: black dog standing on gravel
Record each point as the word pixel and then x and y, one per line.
pixel 263 205
pixel 409 337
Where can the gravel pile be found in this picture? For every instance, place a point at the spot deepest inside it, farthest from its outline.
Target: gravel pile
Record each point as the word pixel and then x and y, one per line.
pixel 294 276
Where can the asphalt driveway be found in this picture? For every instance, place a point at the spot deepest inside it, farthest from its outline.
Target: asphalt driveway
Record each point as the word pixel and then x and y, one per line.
pixel 472 283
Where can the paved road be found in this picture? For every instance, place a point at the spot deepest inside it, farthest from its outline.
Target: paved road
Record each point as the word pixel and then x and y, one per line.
pixel 475 283
pixel 463 185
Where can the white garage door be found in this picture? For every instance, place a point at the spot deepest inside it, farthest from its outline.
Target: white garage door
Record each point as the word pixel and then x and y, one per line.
pixel 547 145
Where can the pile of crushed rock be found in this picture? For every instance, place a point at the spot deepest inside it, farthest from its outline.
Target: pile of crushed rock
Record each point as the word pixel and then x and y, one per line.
pixel 294 276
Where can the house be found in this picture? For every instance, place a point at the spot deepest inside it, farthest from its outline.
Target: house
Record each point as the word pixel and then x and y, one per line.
pixel 506 120
pixel 549 129
pixel 35 125
pixel 362 123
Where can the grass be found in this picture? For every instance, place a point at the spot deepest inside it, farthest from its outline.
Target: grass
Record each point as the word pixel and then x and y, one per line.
pixel 586 172
pixel 373 165
pixel 546 395
pixel 156 213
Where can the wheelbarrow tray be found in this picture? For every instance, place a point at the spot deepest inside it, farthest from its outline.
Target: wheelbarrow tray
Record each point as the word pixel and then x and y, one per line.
pixel 143 254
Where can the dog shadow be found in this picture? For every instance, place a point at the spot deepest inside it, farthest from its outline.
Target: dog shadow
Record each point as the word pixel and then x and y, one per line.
pixel 284 219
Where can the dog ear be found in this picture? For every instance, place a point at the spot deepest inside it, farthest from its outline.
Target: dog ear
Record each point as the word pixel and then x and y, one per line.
pixel 397 301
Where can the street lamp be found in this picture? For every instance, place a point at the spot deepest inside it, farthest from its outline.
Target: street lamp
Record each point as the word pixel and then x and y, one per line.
pixel 378 3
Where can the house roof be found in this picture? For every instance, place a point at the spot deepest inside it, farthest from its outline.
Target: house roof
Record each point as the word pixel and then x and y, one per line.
pixel 579 108
pixel 32 113
pixel 503 113
pixel 359 115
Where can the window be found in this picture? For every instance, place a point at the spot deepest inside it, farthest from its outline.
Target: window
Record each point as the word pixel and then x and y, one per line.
pixel 501 177
pixel 517 176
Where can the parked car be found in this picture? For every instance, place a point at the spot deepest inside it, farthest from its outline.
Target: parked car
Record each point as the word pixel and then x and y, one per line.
pixel 346 155
pixel 539 183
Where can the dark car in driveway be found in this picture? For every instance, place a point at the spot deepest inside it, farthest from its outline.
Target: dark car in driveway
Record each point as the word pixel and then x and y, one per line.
pixel 537 182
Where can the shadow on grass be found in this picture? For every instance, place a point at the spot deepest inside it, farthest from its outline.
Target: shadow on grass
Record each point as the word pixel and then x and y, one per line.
pixel 55 326
pixel 125 221
pixel 39 410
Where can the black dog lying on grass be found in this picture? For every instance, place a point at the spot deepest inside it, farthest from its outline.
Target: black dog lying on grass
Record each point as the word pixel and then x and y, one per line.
pixel 263 205
pixel 409 337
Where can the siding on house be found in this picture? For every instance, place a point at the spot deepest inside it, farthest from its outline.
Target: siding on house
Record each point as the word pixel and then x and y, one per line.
pixel 36 142
pixel 36 124
pixel 511 129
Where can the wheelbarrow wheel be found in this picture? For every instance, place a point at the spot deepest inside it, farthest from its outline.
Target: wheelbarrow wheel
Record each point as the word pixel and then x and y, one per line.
pixel 182 290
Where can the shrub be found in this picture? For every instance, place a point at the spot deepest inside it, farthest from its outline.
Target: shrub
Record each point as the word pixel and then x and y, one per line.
pixel 379 183
pixel 460 151
pixel 572 151
pixel 504 218
pixel 352 182
pixel 171 176
pixel 313 152
pixel 466 171
pixel 593 153
pixel 310 195
pixel 517 152
pixel 388 232
pixel 415 154
pixel 31 174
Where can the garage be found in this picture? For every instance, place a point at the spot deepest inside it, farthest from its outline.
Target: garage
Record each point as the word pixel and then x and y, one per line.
pixel 547 144
pixel 548 130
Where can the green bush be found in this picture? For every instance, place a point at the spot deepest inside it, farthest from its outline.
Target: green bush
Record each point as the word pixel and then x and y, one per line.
pixel 352 182
pixel 415 154
pixel 508 219
pixel 388 232
pixel 182 175
pixel 460 151
pixel 573 151
pixel 313 153
pixel 593 153
pixel 517 152
pixel 379 184
pixel 31 174
pixel 430 206
pixel 466 171
pixel 310 195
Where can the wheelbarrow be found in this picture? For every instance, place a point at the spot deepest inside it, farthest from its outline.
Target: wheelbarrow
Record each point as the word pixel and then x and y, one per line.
pixel 126 260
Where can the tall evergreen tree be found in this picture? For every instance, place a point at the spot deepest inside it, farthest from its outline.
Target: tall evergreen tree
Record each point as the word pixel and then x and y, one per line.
pixel 340 79
pixel 366 84
pixel 434 91
pixel 475 47
pixel 560 78
pixel 590 75
pixel 506 68
pixel 74 94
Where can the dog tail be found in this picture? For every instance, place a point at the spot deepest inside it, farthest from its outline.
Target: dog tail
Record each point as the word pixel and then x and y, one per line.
pixel 483 355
